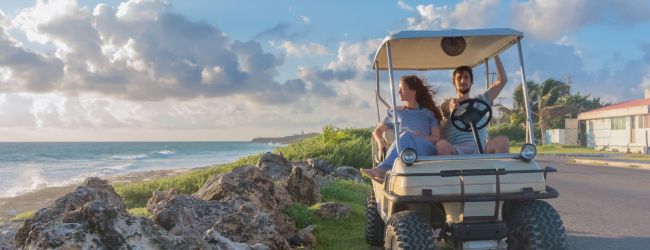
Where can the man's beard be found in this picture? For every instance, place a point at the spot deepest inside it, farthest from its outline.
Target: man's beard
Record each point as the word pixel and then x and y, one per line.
pixel 464 91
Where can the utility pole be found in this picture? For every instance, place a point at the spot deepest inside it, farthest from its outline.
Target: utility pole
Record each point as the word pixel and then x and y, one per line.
pixel 569 77
pixel 499 117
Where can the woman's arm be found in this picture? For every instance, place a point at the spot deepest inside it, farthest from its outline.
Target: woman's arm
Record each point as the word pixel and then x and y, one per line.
pixel 378 133
pixel 435 135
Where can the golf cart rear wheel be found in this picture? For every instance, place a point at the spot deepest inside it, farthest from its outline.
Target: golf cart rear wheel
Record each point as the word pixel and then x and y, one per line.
pixel 374 224
pixel 406 230
pixel 534 225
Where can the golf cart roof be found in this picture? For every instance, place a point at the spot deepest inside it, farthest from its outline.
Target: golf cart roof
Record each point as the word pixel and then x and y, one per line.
pixel 423 50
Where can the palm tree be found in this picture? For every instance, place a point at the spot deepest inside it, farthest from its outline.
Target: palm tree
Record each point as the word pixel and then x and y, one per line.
pixel 544 100
pixel 548 103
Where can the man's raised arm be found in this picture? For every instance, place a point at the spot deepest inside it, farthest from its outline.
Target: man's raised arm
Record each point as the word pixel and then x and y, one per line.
pixel 498 85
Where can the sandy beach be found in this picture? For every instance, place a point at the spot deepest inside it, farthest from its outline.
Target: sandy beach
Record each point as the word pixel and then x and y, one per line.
pixel 41 198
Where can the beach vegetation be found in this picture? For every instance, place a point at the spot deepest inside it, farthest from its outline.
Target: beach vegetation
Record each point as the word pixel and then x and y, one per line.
pixel 139 212
pixel 23 216
pixel 349 147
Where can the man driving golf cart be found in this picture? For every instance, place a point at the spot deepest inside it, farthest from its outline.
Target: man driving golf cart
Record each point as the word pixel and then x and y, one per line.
pixel 460 142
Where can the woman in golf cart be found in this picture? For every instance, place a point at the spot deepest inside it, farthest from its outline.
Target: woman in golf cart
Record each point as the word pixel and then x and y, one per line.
pixel 418 119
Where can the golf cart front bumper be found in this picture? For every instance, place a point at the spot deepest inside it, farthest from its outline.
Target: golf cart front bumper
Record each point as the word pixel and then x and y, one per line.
pixel 427 195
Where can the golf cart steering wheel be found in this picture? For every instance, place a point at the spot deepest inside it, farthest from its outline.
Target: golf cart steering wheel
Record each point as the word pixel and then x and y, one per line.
pixel 473 112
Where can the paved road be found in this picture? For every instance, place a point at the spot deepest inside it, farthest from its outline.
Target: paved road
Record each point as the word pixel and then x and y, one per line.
pixel 602 207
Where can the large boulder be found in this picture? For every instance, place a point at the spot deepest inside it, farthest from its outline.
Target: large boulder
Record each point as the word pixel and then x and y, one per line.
pixel 93 217
pixel 322 166
pixel 191 217
pixel 7 239
pixel 275 165
pixel 248 184
pixel 303 185
pixel 348 173
pixel 247 225
pixel 223 243
pixel 334 210
pixel 186 214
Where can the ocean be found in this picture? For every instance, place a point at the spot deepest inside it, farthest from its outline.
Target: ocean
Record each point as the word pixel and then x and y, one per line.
pixel 28 166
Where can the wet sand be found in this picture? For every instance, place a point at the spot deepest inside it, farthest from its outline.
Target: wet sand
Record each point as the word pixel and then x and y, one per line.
pixel 35 200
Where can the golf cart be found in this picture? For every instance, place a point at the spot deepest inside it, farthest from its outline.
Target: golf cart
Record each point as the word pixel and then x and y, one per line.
pixel 479 201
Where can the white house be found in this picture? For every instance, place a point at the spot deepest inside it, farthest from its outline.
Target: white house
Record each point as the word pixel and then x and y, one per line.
pixel 623 126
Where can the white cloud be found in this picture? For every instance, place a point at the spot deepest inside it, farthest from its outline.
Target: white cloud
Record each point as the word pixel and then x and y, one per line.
pixel 404 6
pixel 15 111
pixel 303 49
pixel 139 10
pixel 549 20
pixel 305 19
pixel 138 51
pixel 466 14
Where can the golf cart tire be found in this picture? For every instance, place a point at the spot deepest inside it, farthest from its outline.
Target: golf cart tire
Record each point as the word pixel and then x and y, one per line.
pixel 534 225
pixel 374 224
pixel 406 230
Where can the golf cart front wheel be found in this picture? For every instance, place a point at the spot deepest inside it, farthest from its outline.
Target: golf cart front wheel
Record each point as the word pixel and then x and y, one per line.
pixel 374 224
pixel 534 225
pixel 406 230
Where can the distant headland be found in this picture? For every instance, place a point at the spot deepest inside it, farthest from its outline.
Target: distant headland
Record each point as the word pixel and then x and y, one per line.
pixel 285 139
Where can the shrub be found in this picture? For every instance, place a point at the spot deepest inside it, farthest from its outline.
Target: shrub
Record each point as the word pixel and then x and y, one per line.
pixel 514 132
pixel 139 212
pixel 23 216
pixel 301 215
pixel 350 147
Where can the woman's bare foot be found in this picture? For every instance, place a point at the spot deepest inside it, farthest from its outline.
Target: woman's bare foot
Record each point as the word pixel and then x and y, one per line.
pixel 375 173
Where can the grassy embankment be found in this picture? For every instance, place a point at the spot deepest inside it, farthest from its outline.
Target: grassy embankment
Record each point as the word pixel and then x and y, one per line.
pixel 350 147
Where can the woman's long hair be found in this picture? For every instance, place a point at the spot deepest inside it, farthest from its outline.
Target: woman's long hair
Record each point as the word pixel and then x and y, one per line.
pixel 423 94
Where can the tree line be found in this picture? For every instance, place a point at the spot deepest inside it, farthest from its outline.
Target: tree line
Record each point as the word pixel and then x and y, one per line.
pixel 550 102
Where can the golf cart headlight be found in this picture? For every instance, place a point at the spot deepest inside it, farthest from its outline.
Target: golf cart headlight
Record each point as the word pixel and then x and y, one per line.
pixel 408 156
pixel 528 151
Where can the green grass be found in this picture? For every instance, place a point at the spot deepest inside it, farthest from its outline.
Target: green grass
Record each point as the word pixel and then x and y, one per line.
pixel 139 212
pixel 349 147
pixel 301 215
pixel 136 194
pixel 341 147
pixel 23 216
pixel 346 233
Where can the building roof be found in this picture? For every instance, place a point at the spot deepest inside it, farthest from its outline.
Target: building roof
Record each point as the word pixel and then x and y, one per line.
pixel 622 105
pixel 615 109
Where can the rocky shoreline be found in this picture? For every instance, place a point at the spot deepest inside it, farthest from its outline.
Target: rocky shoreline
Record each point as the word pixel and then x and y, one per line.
pixel 242 209
pixel 10 206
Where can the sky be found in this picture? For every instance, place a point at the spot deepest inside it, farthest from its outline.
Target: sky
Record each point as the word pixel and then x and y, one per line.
pixel 196 70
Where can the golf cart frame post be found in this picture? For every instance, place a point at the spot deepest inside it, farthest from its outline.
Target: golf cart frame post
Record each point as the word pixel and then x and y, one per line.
pixel 511 37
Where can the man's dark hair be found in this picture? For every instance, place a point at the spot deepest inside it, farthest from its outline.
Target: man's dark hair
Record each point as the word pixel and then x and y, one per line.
pixel 467 69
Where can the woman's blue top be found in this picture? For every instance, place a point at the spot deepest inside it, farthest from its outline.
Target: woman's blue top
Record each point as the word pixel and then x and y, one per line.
pixel 419 120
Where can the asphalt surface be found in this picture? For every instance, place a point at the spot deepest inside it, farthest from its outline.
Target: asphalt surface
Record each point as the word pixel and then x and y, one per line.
pixel 601 207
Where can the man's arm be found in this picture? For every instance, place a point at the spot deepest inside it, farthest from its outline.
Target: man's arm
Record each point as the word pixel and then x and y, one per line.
pixel 445 109
pixel 498 85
